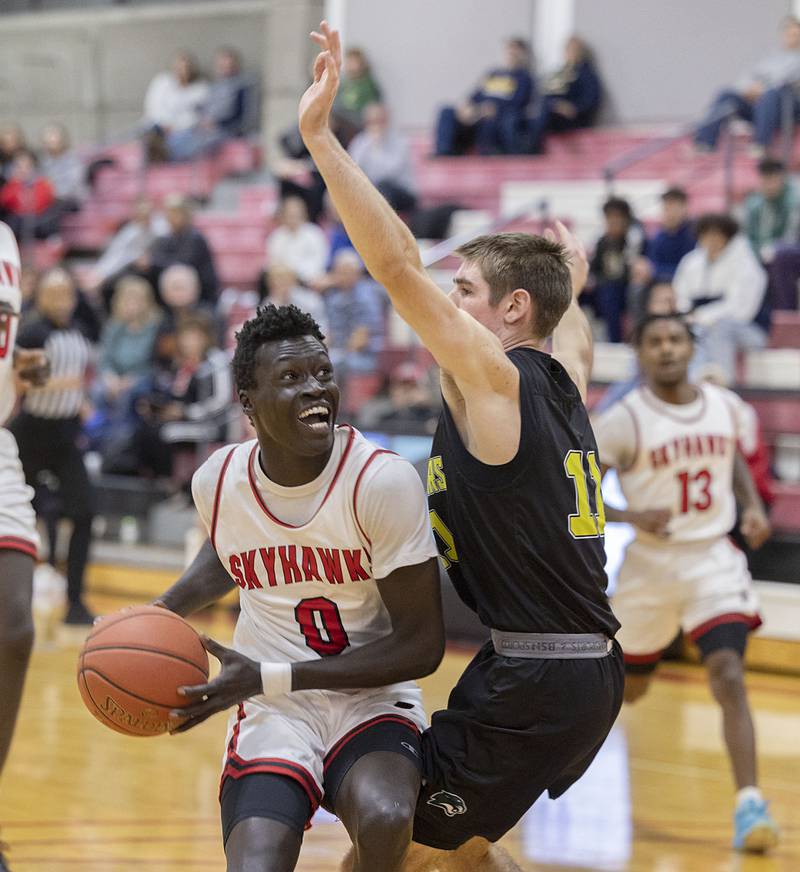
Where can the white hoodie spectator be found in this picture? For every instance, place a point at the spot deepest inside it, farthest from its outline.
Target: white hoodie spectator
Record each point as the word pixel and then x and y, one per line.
pixel 297 243
pixel 722 284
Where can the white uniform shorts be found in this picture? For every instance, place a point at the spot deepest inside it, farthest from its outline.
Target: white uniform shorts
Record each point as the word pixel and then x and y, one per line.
pixel 694 586
pixel 314 736
pixel 17 518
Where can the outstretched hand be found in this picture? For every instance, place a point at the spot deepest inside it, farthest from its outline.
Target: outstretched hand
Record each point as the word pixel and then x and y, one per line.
pixel 315 105
pixel 239 679
pixel 576 253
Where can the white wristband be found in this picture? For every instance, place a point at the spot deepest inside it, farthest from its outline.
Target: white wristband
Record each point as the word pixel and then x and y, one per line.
pixel 276 678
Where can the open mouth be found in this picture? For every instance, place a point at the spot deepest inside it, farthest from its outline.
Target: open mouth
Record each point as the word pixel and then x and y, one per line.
pixel 317 418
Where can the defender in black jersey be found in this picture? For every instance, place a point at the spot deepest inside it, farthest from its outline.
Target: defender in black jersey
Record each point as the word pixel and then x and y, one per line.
pixel 515 504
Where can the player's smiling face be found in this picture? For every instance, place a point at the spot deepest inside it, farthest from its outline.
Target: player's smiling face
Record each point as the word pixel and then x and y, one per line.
pixel 665 350
pixel 295 401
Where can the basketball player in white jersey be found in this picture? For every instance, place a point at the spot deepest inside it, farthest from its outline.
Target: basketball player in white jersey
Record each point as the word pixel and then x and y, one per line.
pixel 677 448
pixel 327 537
pixel 19 541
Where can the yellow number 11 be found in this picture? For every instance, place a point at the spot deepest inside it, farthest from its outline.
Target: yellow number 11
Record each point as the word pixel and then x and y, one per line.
pixel 585 524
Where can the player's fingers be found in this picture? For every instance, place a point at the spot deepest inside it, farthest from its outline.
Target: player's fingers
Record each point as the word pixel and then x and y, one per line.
pixel 189 723
pixel 550 235
pixel 213 647
pixel 318 38
pixel 198 690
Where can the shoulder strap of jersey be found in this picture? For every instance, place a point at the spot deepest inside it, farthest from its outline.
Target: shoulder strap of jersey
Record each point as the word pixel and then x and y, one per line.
pixel 637 439
pixel 218 497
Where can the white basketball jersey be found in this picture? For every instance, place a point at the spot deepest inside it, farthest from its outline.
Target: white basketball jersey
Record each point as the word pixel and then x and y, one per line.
pixel 306 590
pixel 678 457
pixel 11 297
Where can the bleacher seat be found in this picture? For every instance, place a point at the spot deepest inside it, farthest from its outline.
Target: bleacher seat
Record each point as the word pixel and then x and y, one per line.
pixel 785 330
pixel 776 368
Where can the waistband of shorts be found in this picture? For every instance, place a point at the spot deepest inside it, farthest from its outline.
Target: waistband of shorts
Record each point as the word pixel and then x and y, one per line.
pixel 551 646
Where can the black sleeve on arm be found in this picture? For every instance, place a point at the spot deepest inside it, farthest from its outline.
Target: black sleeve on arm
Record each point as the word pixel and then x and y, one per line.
pixel 414 648
pixel 204 582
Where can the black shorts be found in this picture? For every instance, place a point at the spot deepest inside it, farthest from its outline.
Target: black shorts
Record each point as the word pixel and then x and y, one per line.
pixel 729 635
pixel 513 728
pixel 281 798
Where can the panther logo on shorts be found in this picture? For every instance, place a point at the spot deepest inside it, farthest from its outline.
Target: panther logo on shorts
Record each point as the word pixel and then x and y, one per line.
pixel 450 803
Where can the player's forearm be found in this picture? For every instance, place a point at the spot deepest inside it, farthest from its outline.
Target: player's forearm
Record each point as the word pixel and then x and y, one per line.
pixel 744 488
pixel 615 515
pixel 387 247
pixel 203 583
pixel 400 656
pixel 573 343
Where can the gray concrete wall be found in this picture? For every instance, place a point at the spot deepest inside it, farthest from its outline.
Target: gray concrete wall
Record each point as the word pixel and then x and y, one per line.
pixel 90 69
pixel 663 59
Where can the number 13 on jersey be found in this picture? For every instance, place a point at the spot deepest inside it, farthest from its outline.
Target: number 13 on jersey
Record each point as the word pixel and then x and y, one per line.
pixel 586 523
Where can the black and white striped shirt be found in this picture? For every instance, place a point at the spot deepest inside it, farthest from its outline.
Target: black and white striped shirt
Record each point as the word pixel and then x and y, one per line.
pixel 69 353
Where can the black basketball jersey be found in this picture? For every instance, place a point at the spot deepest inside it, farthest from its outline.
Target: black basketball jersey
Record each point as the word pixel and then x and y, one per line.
pixel 523 541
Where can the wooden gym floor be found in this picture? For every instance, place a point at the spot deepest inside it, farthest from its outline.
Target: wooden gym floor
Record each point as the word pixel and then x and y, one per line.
pixel 658 799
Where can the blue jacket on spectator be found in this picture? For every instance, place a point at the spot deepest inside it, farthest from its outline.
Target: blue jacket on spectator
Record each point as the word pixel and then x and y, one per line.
pixel 667 247
pixel 582 89
pixel 508 89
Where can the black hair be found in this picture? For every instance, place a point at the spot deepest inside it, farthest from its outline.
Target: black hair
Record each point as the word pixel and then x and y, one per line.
pixel 647 320
pixel 771 166
pixel 618 205
pixel 270 324
pixel 719 222
pixel 675 193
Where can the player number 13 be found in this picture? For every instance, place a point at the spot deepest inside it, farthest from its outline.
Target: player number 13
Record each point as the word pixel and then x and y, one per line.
pixel 586 523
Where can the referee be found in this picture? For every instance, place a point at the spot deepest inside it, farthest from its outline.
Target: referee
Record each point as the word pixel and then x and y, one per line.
pixel 48 427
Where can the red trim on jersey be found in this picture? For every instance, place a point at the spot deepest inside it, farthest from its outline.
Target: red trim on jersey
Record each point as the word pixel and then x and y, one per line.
pixel 15 543
pixel 637 438
pixel 217 496
pixel 254 487
pixel 658 406
pixel 366 725
pixel 752 621
pixel 358 484
pixel 642 659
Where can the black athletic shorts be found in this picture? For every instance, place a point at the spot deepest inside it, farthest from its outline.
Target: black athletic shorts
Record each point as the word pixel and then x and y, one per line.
pixel 281 798
pixel 513 728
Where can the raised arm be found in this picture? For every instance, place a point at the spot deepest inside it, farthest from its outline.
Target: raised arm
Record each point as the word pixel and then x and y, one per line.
pixel 461 346
pixel 572 339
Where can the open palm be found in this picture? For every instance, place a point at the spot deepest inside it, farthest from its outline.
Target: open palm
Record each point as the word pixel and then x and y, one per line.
pixel 315 105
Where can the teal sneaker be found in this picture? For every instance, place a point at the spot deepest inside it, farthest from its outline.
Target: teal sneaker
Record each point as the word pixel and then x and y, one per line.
pixel 754 829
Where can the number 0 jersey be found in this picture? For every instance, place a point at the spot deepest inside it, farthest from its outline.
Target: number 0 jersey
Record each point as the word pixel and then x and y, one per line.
pixel 306 558
pixel 523 541
pixel 678 457
pixel 10 298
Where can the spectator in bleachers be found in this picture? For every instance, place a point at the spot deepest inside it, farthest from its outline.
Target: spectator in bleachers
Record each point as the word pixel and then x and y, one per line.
pixel 297 242
pixel 126 357
pixel 28 200
pixel 356 319
pixel 48 429
pixel 183 244
pixel 409 406
pixel 384 155
pixel 173 102
pixel 12 141
pixel 493 117
pixel 284 290
pixel 616 251
pixel 771 215
pixel 127 251
pixel 179 291
pixel 63 166
pixel 758 94
pixel 570 97
pixel 186 406
pixel 225 114
pixel 357 90
pixel 674 239
pixel 721 286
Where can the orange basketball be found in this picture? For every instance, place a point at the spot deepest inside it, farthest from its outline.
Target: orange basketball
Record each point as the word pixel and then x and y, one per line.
pixel 133 663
